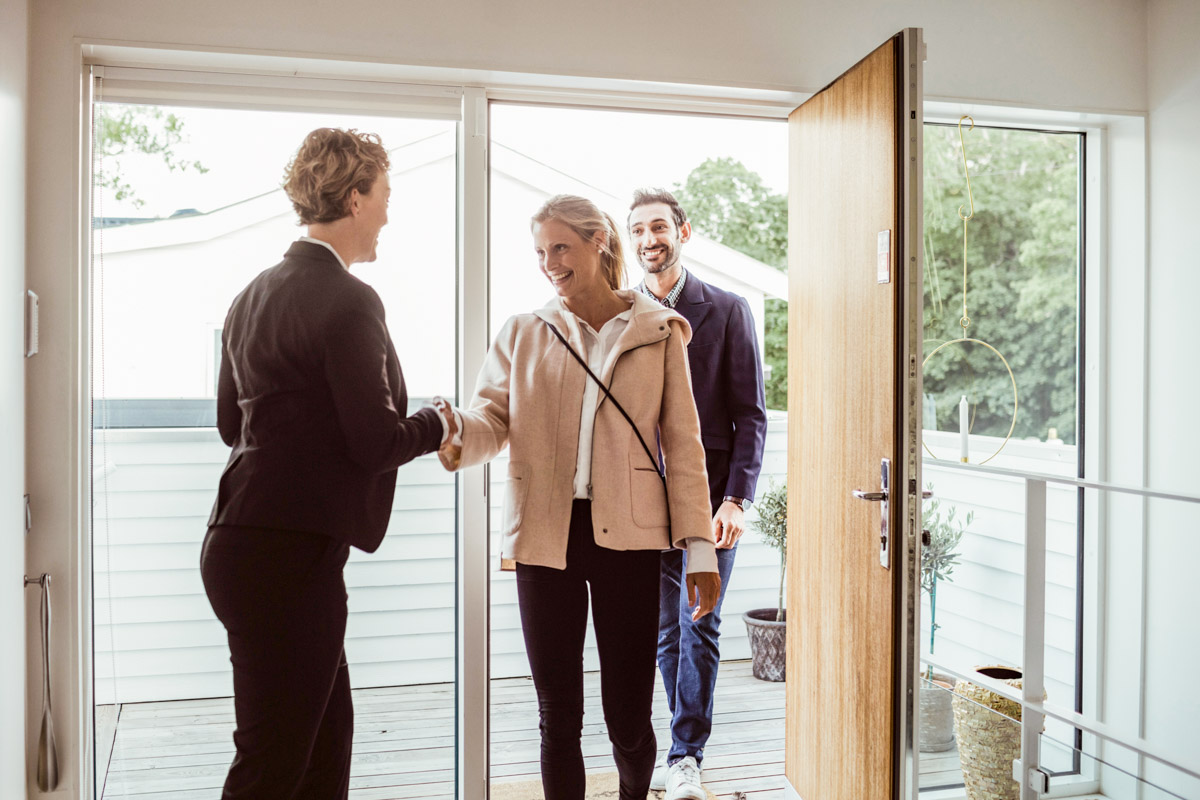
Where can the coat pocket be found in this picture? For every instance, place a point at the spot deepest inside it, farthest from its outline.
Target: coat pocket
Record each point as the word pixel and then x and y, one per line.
pixel 516 492
pixel 648 498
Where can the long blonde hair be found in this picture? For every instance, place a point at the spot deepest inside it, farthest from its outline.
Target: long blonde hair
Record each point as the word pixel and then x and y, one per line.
pixel 582 216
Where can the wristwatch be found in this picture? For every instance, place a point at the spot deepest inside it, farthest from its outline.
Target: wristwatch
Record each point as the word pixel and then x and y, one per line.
pixel 740 502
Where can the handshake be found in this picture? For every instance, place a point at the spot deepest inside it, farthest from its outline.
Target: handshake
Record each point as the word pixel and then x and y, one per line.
pixel 450 453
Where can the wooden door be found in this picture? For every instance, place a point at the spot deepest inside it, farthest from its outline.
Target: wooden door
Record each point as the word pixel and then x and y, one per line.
pixel 853 401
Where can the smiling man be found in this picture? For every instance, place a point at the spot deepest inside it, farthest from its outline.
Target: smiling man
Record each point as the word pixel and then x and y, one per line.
pixel 727 382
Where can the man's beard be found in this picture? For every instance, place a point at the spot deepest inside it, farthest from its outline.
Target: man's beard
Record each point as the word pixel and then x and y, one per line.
pixel 671 259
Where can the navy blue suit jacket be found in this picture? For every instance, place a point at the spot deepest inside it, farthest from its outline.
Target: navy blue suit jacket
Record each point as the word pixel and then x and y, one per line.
pixel 727 381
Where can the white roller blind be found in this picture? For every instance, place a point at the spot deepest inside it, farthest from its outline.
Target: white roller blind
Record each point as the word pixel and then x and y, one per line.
pixel 278 92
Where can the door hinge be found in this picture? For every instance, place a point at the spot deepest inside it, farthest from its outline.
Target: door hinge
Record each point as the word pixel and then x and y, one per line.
pixel 28 516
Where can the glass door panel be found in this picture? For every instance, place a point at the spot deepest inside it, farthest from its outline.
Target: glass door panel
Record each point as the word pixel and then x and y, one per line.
pixel 1023 287
pixel 187 210
pixel 730 175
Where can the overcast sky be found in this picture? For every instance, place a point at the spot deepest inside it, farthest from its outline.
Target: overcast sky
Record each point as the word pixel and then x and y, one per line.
pixel 615 151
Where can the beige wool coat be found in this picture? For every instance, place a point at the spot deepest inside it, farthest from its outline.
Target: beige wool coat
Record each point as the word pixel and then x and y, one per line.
pixel 529 396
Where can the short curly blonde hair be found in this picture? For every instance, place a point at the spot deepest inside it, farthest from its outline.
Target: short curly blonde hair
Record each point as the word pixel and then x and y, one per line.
pixel 329 164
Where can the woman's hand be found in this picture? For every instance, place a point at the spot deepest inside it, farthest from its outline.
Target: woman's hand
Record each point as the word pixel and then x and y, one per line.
pixel 703 590
pixel 450 454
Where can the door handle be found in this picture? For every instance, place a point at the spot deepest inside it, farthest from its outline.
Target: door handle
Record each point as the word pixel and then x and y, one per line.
pixel 925 495
pixel 882 497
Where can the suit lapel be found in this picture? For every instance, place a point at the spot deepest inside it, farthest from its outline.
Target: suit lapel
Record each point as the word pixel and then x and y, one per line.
pixel 693 303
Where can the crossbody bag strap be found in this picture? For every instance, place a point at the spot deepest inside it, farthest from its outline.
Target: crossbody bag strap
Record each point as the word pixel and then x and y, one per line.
pixel 661 473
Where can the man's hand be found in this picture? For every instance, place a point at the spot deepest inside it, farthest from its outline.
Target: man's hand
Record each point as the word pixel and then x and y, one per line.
pixel 728 525
pixel 703 590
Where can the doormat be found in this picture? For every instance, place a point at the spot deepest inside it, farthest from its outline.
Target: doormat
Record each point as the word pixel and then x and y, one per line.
pixel 600 786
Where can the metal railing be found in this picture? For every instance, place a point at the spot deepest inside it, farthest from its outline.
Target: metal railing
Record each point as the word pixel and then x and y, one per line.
pixel 1034 710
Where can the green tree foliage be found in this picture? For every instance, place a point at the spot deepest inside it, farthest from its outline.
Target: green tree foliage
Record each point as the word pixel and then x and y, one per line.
pixel 1023 261
pixel 1022 281
pixel 729 203
pixel 123 130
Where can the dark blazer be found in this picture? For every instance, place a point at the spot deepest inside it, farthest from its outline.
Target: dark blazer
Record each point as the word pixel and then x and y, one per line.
pixel 727 381
pixel 312 400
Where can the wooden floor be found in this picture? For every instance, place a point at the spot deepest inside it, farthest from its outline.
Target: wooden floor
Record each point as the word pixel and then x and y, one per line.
pixel 404 742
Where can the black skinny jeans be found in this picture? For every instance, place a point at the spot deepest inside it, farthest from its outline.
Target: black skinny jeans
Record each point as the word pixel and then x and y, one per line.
pixel 282 600
pixel 554 608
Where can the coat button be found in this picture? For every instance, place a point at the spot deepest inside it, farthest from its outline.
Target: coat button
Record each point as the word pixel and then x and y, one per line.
pixel 605 530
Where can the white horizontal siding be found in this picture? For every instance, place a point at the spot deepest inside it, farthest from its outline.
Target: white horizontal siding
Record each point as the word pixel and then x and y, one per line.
pixel 155 629
pixel 156 632
pixel 980 611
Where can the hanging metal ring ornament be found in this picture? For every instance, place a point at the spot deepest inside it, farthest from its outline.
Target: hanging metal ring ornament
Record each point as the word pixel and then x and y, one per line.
pixel 1012 379
pixel 965 321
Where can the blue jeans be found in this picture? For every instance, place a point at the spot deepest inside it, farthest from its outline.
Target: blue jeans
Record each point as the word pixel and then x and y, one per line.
pixel 688 654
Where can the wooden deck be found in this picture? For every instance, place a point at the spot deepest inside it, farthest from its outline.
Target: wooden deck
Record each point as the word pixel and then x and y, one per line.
pixel 404 742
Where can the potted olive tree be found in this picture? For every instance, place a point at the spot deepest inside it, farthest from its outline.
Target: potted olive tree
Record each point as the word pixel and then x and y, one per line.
pixel 767 627
pixel 939 555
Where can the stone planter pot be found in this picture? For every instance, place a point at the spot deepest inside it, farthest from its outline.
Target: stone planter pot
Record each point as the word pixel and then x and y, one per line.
pixel 988 729
pixel 767 640
pixel 937 715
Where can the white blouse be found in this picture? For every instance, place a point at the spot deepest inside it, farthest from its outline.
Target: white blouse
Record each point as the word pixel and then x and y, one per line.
pixel 597 348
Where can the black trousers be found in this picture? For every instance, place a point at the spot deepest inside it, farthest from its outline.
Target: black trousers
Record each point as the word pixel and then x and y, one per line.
pixel 554 609
pixel 282 600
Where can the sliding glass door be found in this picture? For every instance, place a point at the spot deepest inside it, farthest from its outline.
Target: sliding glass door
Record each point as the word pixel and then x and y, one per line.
pixel 730 176
pixel 187 208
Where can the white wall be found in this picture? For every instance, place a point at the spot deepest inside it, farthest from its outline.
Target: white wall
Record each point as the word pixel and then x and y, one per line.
pixel 1173 436
pixel 14 26
pixel 1070 53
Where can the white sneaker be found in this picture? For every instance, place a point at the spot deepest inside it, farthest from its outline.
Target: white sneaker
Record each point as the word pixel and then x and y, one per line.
pixel 683 781
pixel 658 780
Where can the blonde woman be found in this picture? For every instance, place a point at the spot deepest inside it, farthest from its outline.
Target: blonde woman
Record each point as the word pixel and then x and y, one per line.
pixel 584 391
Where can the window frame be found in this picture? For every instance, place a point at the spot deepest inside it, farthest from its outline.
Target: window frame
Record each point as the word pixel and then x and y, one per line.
pixel 1085 609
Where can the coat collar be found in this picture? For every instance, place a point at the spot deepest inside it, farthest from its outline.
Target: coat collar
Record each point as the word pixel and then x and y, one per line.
pixel 310 251
pixel 648 323
pixel 651 322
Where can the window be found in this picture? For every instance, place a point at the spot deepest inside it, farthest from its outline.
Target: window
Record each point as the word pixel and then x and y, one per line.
pixel 1023 287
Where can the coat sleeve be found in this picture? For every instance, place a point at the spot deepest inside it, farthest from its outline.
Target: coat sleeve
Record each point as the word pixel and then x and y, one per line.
pixel 747 402
pixel 485 424
pixel 378 435
pixel 229 413
pixel 683 451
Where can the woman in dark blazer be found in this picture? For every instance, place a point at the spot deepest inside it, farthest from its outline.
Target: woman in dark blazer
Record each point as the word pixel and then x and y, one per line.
pixel 312 401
